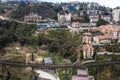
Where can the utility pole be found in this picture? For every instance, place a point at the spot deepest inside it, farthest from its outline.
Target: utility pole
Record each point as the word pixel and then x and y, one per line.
pixel 32 55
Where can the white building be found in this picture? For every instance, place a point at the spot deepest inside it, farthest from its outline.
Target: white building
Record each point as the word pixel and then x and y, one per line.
pixel 94 19
pixel 116 14
pixel 106 17
pixel 93 6
pixel 64 17
pixel 113 31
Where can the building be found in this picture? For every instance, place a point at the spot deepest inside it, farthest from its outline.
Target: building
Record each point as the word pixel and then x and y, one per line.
pixel 48 61
pixel 88 51
pixel 47 23
pixel 32 18
pixel 76 24
pixel 64 17
pixel 82 75
pixel 93 6
pixel 101 39
pixel 92 12
pixel 94 19
pixel 89 12
pixel 113 31
pixel 106 18
pixel 116 15
pixel 65 8
pixel 86 39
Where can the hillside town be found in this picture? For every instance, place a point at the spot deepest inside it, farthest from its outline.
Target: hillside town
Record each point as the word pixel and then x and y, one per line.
pixel 55 34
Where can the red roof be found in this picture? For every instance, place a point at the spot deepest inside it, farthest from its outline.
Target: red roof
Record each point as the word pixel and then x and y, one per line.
pixel 110 27
pixel 75 22
pixel 102 37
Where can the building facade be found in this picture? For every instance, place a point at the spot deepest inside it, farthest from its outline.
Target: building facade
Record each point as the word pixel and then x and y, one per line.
pixel 32 18
pixel 116 15
pixel 101 39
pixel 112 31
pixel 106 18
pixel 86 39
pixel 88 51
pixel 94 19
pixel 64 17
pixel 44 24
pixel 76 24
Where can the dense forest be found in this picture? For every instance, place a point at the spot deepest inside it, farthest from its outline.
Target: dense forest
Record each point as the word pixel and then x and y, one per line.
pixel 11 31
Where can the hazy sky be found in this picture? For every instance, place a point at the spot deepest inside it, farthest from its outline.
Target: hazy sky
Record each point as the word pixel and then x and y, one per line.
pixel 107 3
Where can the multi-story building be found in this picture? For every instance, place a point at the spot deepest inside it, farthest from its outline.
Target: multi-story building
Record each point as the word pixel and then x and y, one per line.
pixel 116 15
pixel 106 18
pixel 112 31
pixel 94 19
pixel 101 39
pixel 92 12
pixel 88 51
pixel 64 17
pixel 86 39
pixel 89 12
pixel 32 18
pixel 93 6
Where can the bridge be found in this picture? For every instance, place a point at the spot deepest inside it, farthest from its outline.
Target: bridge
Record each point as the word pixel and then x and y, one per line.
pixel 40 66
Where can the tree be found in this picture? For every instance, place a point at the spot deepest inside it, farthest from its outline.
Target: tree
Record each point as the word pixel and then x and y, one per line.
pixel 101 22
pixel 85 17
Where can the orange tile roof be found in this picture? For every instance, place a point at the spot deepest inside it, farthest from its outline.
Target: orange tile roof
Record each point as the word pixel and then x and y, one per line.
pixel 75 22
pixel 101 37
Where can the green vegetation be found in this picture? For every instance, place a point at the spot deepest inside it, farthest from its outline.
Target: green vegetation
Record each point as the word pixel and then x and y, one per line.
pixel 113 48
pixel 11 31
pixel 101 22
pixel 110 72
pixel 61 42
pixel 65 73
pixel 46 10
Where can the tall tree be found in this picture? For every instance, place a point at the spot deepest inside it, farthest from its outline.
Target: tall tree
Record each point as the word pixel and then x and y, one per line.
pixel 101 22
